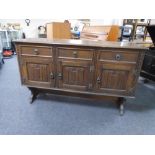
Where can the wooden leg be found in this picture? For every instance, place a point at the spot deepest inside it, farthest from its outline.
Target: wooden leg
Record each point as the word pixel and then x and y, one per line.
pixel 120 103
pixel 2 60
pixel 146 81
pixel 34 94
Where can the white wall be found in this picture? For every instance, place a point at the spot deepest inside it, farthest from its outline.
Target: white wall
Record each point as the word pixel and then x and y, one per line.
pixel 31 31
pixel 94 22
pixel 152 21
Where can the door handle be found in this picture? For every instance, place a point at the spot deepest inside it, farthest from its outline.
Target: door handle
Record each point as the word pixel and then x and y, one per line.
pixel 52 75
pixel 98 80
pixel 60 76
pixel 75 54
pixel 118 57
pixel 35 51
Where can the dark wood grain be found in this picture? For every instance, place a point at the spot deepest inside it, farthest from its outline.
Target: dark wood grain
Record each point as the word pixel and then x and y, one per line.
pixel 84 43
pixel 37 71
pixel 82 68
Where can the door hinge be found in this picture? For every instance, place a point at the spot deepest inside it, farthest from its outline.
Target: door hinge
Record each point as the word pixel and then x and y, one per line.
pixel 60 76
pixel 91 68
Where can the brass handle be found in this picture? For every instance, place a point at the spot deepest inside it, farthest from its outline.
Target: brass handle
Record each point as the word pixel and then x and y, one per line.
pixel 35 51
pixel 75 54
pixel 60 76
pixel 52 76
pixel 98 80
pixel 118 57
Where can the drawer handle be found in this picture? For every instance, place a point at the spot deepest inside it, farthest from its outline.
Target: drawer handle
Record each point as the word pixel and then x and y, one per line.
pixel 35 51
pixel 52 76
pixel 118 57
pixel 98 80
pixel 60 76
pixel 75 54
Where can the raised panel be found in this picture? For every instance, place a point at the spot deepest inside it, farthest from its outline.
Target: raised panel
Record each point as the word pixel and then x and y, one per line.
pixel 114 78
pixel 37 72
pixel 75 75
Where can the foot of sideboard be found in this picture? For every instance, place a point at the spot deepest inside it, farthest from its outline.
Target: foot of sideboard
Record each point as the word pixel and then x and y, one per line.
pixel 34 94
pixel 120 102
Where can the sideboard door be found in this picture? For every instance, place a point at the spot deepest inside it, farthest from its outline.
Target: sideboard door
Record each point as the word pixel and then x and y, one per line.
pixel 37 71
pixel 75 75
pixel 115 78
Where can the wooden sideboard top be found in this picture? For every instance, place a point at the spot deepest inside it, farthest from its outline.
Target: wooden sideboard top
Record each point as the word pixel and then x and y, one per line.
pixel 84 43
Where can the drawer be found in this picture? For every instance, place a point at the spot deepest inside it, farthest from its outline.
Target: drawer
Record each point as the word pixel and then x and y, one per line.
pixel 118 56
pixel 75 53
pixel 36 50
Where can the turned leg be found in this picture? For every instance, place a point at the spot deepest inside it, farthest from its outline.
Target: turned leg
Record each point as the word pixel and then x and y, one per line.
pixel 34 94
pixel 120 103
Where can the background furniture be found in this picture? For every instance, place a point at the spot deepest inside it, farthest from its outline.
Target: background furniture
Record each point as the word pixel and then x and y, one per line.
pixel 85 68
pixel 135 23
pixel 114 33
pixel 143 26
pixel 109 33
pixel 1 51
pixel 42 32
pixel 6 41
pixel 126 32
pixel 57 30
pixel 7 36
pixel 148 68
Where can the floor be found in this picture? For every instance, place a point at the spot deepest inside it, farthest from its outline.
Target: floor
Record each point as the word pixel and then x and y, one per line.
pixel 51 114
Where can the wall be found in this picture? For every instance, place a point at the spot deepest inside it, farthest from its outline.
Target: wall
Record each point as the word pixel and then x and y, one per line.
pixel 106 22
pixel 32 30
pixel 152 21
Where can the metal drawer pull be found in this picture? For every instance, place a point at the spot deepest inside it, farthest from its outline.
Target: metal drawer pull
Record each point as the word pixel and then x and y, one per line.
pixel 75 54
pixel 35 51
pixel 52 76
pixel 98 80
pixel 60 76
pixel 118 57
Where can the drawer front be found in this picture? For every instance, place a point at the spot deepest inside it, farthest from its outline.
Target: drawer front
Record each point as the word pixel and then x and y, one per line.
pixel 119 56
pixel 36 50
pixel 75 53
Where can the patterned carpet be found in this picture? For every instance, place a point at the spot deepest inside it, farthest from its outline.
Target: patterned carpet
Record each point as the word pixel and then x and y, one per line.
pixel 51 114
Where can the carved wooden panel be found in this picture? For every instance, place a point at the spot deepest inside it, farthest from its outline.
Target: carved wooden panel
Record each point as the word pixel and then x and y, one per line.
pixel 75 75
pixel 115 78
pixel 37 71
pixel 101 69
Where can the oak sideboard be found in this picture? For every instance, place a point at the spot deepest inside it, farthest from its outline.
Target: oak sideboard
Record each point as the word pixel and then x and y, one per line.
pixel 80 67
